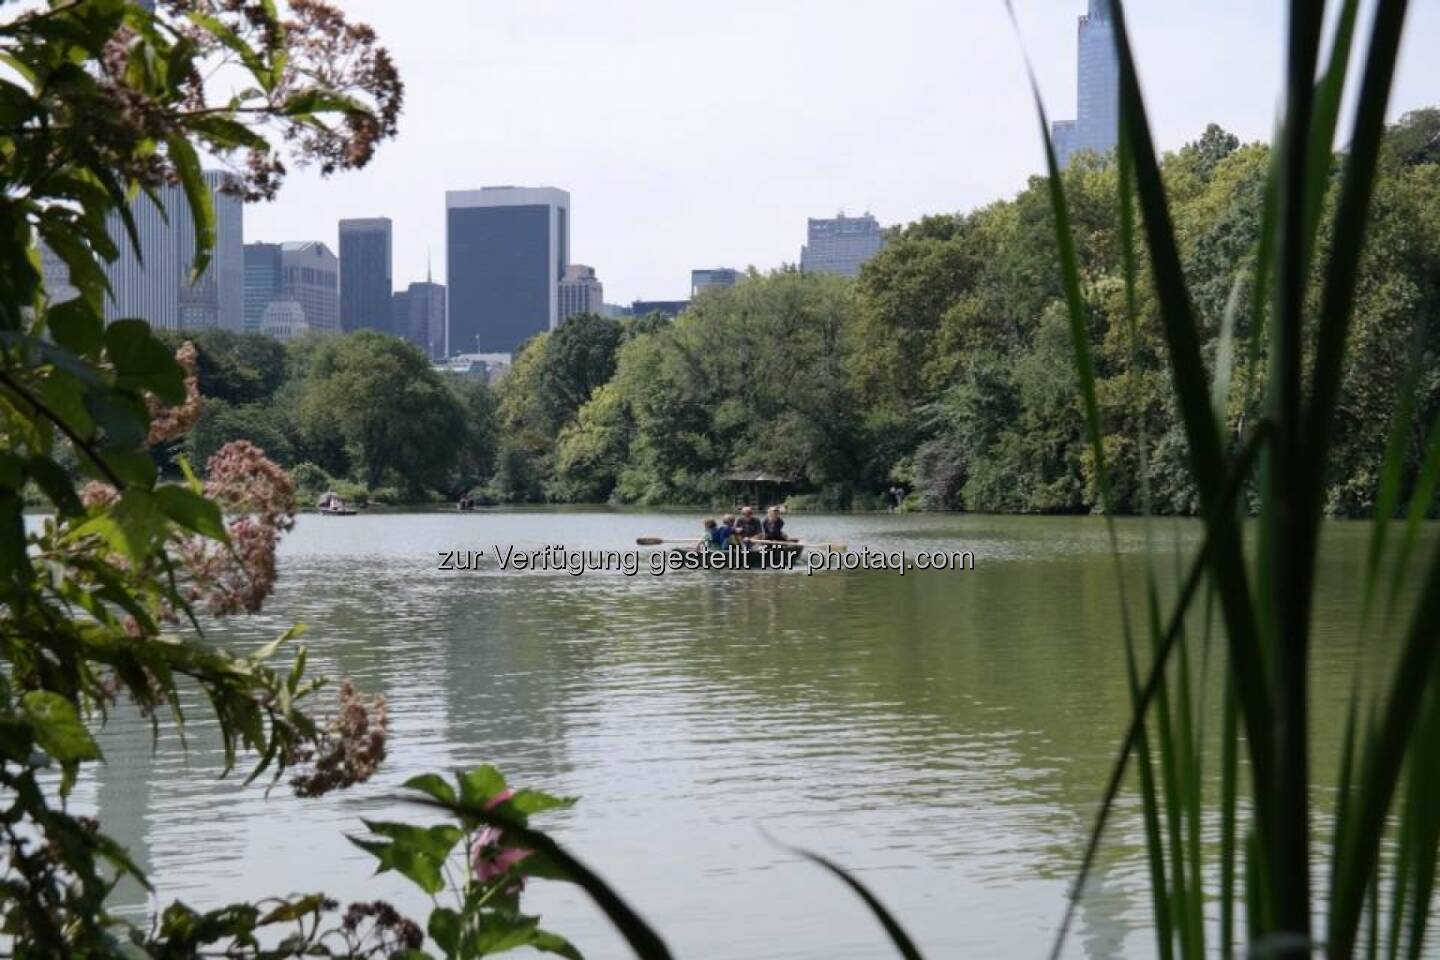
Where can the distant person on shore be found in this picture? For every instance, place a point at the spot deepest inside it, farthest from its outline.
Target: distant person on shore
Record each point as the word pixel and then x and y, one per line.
pixel 897 498
pixel 748 526
pixel 773 526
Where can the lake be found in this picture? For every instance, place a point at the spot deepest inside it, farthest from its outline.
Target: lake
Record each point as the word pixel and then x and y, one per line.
pixel 945 734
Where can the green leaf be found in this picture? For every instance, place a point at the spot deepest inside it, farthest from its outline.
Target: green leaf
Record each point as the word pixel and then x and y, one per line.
pixel 192 511
pixel 58 729
pixel 52 478
pixel 434 842
pixel 143 362
pixel 295 909
pixel 417 853
pixel 314 100
pixel 527 802
pixel 444 928
pixel 132 527
pixel 134 467
pixel 478 786
pixel 202 209
pixel 432 784
pixel 120 415
pixel 77 326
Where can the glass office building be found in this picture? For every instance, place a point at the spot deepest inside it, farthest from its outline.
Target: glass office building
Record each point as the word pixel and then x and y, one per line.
pixel 506 250
pixel 365 274
pixel 1096 126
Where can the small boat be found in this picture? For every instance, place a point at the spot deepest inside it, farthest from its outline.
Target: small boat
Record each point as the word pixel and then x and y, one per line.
pixel 332 506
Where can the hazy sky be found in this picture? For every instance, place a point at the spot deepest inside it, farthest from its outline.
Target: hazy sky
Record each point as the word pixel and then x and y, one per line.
pixel 698 134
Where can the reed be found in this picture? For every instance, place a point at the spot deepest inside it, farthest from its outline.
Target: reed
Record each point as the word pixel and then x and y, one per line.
pixel 1388 784
pixel 1372 893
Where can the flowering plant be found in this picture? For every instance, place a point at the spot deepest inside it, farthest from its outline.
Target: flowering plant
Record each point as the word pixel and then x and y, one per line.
pixel 482 863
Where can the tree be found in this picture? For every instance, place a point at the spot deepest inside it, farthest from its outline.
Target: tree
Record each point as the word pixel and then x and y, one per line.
pixel 105 99
pixel 395 414
pixel 579 357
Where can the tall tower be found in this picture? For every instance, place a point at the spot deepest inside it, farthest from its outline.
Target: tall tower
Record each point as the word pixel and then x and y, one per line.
pixel 365 274
pixel 1097 111
pixel 506 250
pixel 155 284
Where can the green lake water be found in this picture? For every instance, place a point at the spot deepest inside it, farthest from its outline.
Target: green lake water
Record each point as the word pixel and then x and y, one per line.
pixel 944 734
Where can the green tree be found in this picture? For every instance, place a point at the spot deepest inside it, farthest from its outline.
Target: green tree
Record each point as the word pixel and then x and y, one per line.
pixel 579 357
pixel 395 414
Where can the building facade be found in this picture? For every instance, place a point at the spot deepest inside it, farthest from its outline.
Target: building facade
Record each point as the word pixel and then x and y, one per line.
pixel 667 308
pixel 580 292
pixel 1096 126
pixel 365 274
pixel 309 275
pixel 713 277
pixel 840 245
pixel 418 315
pixel 283 319
pixel 155 283
pixel 506 250
pixel 262 281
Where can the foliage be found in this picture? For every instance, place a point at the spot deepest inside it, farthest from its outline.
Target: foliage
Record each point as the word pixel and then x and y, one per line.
pixel 103 100
pixel 379 396
pixel 482 867
pixel 1354 336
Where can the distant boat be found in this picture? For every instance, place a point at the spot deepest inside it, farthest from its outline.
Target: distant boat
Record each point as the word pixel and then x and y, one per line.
pixel 331 505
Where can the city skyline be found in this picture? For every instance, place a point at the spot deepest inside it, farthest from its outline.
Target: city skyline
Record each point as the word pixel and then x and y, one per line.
pixel 919 131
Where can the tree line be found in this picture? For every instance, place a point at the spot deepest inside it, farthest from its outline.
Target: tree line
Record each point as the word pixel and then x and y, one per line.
pixel 944 368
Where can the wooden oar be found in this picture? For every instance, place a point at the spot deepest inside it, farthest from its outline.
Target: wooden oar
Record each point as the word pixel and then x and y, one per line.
pixel 656 541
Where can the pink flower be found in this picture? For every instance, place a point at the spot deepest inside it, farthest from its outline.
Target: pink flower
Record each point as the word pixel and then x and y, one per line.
pixel 488 859
pixel 498 799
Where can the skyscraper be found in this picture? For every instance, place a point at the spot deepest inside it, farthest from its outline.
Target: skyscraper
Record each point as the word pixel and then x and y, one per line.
pixel 580 292
pixel 291 286
pixel 155 285
pixel 840 245
pixel 418 315
pixel 506 249
pixel 365 274
pixel 309 275
pixel 1097 111
pixel 713 277
pixel 262 281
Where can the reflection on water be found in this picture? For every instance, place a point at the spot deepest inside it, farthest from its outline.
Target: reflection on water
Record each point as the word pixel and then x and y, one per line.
pixel 945 734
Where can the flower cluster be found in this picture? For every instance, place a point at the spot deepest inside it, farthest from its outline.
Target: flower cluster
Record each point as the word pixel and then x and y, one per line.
pixel 394 930
pixel 260 498
pixel 346 751
pixel 490 859
pixel 171 423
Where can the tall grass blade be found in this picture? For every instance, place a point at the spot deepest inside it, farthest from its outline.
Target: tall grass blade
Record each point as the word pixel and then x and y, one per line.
pixel 1380 765
pixel 1208 461
pixel 1135 730
pixel 1420 500
pixel 898 937
pixel 1351 218
pixel 1391 467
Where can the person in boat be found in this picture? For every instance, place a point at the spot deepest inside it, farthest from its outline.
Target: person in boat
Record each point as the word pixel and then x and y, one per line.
pixel 707 540
pixel 747 527
pixel 773 526
pixel 725 534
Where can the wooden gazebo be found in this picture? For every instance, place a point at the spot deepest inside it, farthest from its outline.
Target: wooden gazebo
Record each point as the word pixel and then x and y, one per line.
pixel 759 488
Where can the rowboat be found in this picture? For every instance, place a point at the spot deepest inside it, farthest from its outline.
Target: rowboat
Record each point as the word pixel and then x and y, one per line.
pixel 332 506
pixel 770 557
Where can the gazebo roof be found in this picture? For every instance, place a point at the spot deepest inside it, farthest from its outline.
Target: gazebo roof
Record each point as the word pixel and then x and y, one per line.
pixel 757 476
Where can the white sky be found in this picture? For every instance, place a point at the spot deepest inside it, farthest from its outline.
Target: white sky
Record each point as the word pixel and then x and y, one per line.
pixel 696 134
